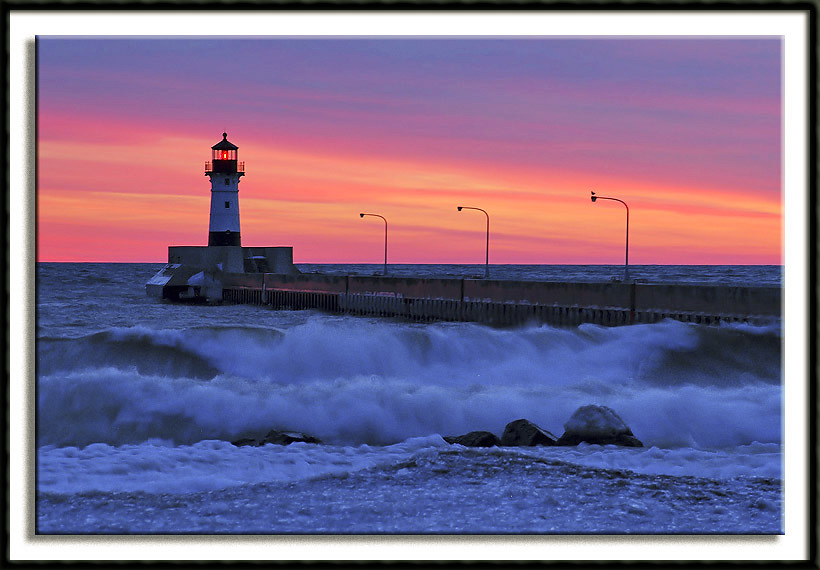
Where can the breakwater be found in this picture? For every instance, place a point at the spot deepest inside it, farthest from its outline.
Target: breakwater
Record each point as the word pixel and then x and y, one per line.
pixel 503 302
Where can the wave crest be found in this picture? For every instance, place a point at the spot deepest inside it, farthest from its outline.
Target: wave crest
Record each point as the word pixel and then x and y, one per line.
pixel 358 381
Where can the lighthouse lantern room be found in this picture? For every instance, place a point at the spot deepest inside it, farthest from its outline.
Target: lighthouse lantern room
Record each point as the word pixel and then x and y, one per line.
pixel 224 171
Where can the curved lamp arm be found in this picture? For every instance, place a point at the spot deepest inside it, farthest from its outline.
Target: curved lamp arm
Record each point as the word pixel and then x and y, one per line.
pixel 362 215
pixel 487 255
pixel 594 197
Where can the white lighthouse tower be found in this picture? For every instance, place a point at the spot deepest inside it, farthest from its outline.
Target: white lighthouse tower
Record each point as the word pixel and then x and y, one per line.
pixel 224 172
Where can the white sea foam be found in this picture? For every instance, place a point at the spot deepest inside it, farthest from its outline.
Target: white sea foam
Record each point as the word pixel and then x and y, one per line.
pixel 120 407
pixel 211 465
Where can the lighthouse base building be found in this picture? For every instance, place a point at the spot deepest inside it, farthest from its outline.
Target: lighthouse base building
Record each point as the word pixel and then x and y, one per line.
pixel 193 273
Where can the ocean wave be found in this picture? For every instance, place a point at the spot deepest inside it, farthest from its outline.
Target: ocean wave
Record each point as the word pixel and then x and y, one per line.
pixel 351 381
pixel 198 352
pixel 325 347
pixel 118 407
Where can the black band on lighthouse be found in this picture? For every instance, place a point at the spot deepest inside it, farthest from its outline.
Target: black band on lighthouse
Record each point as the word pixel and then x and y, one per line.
pixel 223 238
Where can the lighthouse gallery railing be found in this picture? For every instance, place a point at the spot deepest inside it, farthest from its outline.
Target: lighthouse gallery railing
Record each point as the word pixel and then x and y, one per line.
pixel 209 167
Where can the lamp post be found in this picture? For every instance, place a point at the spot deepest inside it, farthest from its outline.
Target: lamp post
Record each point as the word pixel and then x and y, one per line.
pixel 487 256
pixel 385 237
pixel 593 197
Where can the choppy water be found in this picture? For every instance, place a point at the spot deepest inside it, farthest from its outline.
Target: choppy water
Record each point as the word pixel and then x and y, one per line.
pixel 138 399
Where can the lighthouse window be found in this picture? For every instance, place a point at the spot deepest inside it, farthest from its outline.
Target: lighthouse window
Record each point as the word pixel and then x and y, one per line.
pixel 224 155
pixel 227 204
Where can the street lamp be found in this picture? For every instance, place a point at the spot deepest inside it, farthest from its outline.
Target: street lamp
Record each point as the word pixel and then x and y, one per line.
pixel 593 197
pixel 385 237
pixel 487 257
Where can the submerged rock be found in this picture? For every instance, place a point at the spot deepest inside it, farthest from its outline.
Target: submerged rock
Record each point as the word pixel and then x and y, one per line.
pixel 288 437
pixel 525 433
pixel 278 438
pixel 474 439
pixel 597 425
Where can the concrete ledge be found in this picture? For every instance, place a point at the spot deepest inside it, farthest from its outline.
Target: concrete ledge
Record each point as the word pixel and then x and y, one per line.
pixel 317 283
pixel 548 293
pixel 717 299
pixel 234 259
pixel 419 288
pixel 492 300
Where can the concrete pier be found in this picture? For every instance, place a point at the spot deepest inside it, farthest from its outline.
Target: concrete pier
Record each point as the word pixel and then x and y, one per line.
pixel 194 273
pixel 504 303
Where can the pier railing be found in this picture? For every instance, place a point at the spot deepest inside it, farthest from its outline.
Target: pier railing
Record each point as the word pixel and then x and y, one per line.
pixel 505 303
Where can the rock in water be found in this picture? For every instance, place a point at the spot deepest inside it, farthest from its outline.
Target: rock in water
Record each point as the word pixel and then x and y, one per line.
pixel 288 437
pixel 278 438
pixel 526 433
pixel 597 425
pixel 474 439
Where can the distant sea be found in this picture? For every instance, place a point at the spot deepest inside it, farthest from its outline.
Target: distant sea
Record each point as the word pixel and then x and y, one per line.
pixel 138 401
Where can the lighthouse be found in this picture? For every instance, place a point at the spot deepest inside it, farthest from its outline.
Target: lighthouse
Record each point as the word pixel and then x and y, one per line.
pixel 199 273
pixel 224 170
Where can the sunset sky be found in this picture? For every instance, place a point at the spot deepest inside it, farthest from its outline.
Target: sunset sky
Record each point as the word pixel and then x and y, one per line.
pixel 686 131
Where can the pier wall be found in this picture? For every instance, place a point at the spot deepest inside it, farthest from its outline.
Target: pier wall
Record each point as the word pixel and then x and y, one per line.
pixel 234 258
pixel 504 303
pixel 705 298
